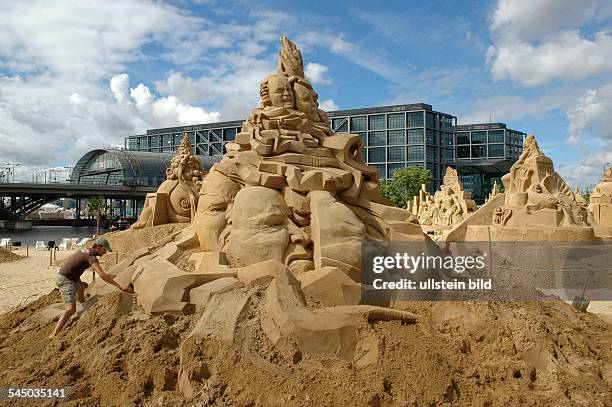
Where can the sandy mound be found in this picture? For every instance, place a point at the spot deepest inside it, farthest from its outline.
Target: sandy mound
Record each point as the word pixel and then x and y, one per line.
pixel 5 256
pixel 482 354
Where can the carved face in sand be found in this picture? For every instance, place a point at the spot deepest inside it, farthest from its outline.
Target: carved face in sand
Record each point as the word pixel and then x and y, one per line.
pixel 261 230
pixel 276 92
pixel 217 193
pixel 306 101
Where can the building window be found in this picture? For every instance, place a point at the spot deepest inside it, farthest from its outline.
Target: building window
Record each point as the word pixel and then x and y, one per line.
pixel 376 155
pixel 364 138
pixel 395 121
pixel 447 155
pixel 155 141
pixel 463 152
pixel 431 154
pixel 431 137
pixel 358 123
pixel 479 152
pixel 463 138
pixel 496 136
pixel 201 137
pixel 415 119
pixel 479 137
pixel 229 134
pixel 415 153
pixel 392 168
pixel 395 154
pixel 376 122
pixel 430 121
pixel 415 136
pixel 447 139
pixel 167 140
pixel 496 150
pixel 395 137
pixel 376 138
pixel 143 143
pixel 432 169
pixel 417 165
pixel 340 125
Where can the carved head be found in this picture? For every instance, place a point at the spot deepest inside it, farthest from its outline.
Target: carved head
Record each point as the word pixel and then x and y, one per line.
pixel 306 99
pixel 261 228
pixel 275 91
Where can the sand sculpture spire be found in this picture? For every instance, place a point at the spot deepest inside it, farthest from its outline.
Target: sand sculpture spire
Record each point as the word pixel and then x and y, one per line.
pixel 600 204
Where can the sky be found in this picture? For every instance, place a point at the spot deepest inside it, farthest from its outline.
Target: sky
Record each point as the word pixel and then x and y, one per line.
pixel 77 75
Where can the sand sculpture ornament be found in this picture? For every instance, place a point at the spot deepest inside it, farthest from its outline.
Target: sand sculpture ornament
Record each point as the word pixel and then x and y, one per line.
pixel 448 207
pixel 600 203
pixel 176 198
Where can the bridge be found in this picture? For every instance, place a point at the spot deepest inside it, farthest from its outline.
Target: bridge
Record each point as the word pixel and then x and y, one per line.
pixel 17 200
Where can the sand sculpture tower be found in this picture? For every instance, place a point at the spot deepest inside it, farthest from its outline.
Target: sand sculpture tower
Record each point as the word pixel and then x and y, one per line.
pixel 449 206
pixel 286 162
pixel 601 204
pixel 176 198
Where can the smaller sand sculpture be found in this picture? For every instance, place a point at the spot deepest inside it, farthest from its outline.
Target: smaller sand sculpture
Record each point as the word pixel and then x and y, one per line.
pixel 536 205
pixel 176 198
pixel 601 202
pixel 448 207
pixel 494 191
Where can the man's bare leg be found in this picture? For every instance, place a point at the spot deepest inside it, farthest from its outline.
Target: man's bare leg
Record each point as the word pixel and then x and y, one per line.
pixel 71 309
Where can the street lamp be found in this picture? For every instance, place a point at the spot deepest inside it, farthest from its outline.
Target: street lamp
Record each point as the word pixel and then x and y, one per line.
pixel 13 165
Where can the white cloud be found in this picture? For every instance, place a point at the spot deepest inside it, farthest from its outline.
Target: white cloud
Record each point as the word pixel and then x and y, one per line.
pixel 538 42
pixel 590 119
pixel 315 73
pixel 328 105
pixel 566 57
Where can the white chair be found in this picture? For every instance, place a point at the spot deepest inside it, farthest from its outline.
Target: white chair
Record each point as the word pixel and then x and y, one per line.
pixel 5 242
pixel 40 245
pixel 82 242
pixel 65 245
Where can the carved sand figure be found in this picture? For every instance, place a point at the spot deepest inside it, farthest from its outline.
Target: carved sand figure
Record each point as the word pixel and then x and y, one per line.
pixel 176 198
pixel 536 205
pixel 448 207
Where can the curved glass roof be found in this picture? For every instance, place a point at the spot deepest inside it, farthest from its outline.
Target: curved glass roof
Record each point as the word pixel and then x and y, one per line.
pixel 129 168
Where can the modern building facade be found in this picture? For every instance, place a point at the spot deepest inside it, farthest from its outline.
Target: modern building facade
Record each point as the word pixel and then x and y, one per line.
pixel 393 137
pixel 484 153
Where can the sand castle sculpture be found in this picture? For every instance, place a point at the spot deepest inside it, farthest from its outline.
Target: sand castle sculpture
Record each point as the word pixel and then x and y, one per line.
pixel 279 219
pixel 600 205
pixel 494 191
pixel 449 206
pixel 176 198
pixel 536 205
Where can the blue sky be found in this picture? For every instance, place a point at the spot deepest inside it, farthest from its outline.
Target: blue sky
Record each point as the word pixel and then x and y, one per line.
pixel 78 75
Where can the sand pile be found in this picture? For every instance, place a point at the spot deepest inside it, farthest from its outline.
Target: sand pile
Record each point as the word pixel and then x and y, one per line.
pixel 477 354
pixel 5 256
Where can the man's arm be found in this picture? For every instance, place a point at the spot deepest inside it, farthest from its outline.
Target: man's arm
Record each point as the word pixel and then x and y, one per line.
pixel 106 277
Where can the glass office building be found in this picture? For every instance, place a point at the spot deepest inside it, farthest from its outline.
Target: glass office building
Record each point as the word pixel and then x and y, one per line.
pixel 393 137
pixel 485 152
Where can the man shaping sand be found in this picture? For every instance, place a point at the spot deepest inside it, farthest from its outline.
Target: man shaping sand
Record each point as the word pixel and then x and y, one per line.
pixel 69 282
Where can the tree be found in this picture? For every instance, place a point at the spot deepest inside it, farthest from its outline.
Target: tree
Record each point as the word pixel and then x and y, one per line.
pixel 405 184
pixel 96 206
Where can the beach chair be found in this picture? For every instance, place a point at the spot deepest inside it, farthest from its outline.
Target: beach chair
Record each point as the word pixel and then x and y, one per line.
pixel 82 242
pixel 40 245
pixel 5 242
pixel 65 245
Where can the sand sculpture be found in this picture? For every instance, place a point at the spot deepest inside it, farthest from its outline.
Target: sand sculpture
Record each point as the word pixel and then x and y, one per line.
pixel 600 205
pixel 536 205
pixel 494 191
pixel 449 206
pixel 176 198
pixel 280 219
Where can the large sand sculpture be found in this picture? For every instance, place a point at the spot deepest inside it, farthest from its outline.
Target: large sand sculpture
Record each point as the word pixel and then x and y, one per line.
pixel 281 216
pixel 448 207
pixel 176 198
pixel 537 205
